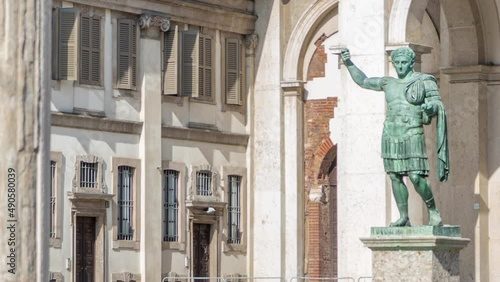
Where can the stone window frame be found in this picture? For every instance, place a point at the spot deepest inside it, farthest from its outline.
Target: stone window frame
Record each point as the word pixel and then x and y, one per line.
pixel 180 244
pixel 125 277
pixel 216 193
pixel 101 188
pixel 55 241
pixel 136 164
pixel 226 172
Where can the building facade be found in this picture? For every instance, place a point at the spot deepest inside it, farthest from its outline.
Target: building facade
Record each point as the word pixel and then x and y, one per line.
pixel 224 138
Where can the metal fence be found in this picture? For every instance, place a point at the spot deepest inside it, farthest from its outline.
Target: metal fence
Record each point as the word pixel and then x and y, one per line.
pixel 265 279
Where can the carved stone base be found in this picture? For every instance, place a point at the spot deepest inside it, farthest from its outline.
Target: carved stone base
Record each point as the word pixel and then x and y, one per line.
pixel 423 253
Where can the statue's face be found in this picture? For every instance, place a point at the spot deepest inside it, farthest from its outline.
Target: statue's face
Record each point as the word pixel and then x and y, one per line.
pixel 403 65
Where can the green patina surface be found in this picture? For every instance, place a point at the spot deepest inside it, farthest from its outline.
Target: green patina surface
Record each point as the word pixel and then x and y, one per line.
pixel 447 230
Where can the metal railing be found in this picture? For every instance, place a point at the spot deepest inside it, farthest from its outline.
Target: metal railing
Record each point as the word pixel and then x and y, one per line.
pixel 315 279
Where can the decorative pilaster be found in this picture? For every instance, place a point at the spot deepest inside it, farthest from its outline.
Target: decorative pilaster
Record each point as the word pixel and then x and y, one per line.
pixel 293 111
pixel 472 107
pixel 251 41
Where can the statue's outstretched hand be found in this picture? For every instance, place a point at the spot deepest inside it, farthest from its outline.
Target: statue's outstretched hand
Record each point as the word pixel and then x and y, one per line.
pixel 345 55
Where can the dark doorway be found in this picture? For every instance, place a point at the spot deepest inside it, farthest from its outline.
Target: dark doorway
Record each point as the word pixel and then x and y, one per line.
pixel 85 249
pixel 201 251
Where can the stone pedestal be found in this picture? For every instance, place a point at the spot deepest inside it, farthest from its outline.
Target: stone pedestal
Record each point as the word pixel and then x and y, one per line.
pixel 423 253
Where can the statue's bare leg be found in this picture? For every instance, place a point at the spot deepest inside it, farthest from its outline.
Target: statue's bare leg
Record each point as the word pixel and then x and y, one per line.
pixel 423 188
pixel 400 193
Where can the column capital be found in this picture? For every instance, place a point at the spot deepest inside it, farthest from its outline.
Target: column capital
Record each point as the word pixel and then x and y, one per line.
pixel 475 73
pixel 292 88
pixel 147 20
pixel 419 49
pixel 251 41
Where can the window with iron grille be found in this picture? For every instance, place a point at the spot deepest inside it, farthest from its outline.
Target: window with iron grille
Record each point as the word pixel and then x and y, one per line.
pixel 125 203
pixel 52 231
pixel 88 175
pixel 170 205
pixel 204 183
pixel 234 209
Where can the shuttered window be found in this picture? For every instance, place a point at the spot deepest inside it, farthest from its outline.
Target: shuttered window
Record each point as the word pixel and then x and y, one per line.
pixel 190 64
pixel 197 65
pixel 90 60
pixel 125 203
pixel 65 44
pixel 170 59
pixel 127 54
pixel 235 84
pixel 205 67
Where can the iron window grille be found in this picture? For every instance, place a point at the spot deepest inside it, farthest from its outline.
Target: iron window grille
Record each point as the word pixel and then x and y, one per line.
pixel 204 183
pixel 234 210
pixel 170 205
pixel 52 231
pixel 125 203
pixel 88 174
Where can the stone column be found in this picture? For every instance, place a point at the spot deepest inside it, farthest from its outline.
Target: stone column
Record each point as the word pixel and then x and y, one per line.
pixel 267 250
pixel 464 199
pixel 363 196
pixel 150 146
pixel 293 106
pixel 24 127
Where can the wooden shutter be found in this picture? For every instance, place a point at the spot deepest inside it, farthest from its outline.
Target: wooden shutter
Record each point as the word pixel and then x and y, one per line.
pixel 170 67
pixel 205 68
pixel 232 71
pixel 241 65
pixel 190 64
pixel 67 55
pixel 127 54
pixel 90 52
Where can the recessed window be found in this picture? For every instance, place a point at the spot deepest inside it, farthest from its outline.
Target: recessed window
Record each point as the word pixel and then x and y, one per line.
pixel 88 175
pixel 234 209
pixel 53 194
pixel 204 183
pixel 170 205
pixel 125 202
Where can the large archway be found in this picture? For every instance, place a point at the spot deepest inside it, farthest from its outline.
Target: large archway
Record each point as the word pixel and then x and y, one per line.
pixel 469 40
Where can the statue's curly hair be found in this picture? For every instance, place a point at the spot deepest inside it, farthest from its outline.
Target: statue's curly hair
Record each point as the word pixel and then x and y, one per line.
pixel 403 51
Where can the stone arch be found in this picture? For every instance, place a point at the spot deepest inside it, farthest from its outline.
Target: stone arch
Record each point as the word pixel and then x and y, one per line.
pixel 300 36
pixel 463 25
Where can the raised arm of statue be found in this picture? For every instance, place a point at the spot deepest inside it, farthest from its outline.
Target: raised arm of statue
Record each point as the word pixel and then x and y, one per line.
pixel 372 83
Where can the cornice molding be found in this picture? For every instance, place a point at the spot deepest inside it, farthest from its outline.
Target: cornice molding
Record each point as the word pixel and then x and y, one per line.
pixel 201 135
pixel 95 123
pixel 475 73
pixel 211 16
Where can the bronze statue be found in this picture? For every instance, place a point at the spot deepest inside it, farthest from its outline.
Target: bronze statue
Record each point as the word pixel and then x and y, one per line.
pixel 412 100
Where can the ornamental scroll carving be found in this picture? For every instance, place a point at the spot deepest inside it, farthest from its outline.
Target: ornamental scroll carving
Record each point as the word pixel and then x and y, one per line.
pixel 148 20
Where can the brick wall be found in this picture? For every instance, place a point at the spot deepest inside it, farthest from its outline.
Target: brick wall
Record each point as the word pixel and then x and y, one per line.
pixel 318 148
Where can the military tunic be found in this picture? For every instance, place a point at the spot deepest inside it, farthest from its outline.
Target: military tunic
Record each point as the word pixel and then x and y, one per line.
pixel 403 140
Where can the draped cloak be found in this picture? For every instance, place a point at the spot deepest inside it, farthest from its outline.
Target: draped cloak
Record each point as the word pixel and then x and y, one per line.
pixel 403 141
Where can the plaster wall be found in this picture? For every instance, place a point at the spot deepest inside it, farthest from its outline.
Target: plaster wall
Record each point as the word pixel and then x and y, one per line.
pixel 71 143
